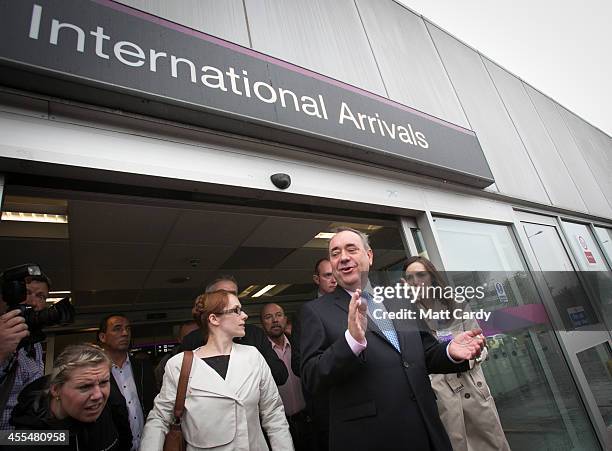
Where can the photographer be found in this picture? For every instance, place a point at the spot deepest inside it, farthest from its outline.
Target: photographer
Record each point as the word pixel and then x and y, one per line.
pixel 24 365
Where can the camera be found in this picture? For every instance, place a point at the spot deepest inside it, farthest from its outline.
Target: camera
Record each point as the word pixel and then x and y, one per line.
pixel 281 181
pixel 14 291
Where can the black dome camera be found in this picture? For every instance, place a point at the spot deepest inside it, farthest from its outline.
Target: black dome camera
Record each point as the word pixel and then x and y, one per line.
pixel 281 181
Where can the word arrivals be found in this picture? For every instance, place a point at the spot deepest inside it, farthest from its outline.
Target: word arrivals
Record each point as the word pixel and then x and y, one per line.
pixel 377 125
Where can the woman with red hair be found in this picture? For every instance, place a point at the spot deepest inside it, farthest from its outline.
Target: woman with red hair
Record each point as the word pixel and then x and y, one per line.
pixel 231 394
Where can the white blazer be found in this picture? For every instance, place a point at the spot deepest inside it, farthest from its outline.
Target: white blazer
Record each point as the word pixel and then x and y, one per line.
pixel 222 414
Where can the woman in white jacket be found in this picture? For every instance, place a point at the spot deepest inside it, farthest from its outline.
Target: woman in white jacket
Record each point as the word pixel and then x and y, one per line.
pixel 231 394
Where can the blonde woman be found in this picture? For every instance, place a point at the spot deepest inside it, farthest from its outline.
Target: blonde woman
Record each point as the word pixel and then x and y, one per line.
pixel 231 394
pixel 464 400
pixel 74 398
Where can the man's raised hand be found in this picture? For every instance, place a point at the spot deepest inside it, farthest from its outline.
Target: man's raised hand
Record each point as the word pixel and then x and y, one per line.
pixel 358 317
pixel 467 345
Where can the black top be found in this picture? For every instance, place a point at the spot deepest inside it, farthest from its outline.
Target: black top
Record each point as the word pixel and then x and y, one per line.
pixel 219 363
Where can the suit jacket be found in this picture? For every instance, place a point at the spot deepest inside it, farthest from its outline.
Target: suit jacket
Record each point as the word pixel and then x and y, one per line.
pixel 381 399
pixel 253 336
pixel 223 414
pixel 317 405
pixel 144 379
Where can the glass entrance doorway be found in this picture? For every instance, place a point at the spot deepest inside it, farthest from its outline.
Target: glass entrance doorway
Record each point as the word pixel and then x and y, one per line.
pixel 573 277
pixel 150 257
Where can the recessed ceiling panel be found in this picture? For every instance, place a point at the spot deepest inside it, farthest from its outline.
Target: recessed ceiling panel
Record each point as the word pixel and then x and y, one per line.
pixel 304 258
pixel 285 232
pixel 188 257
pixel 255 257
pixel 87 279
pixel 179 278
pixel 49 254
pixel 175 297
pixel 139 256
pixel 264 277
pixel 213 228
pixel 109 300
pixel 113 222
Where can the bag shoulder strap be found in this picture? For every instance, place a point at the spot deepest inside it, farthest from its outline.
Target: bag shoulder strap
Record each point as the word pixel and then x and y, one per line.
pixel 181 392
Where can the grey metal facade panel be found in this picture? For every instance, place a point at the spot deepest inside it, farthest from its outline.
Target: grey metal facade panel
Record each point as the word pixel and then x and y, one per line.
pixel 225 19
pixel 324 36
pixel 408 61
pixel 581 174
pixel 551 169
pixel 593 150
pixel 512 168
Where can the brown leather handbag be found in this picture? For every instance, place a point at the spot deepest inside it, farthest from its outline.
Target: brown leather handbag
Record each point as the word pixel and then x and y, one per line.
pixel 174 437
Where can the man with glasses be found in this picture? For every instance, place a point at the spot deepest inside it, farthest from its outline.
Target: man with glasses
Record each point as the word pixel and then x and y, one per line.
pixel 253 336
pixel 274 322
pixel 27 365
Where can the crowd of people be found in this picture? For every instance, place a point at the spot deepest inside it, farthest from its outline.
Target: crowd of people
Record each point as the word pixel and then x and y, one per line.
pixel 337 378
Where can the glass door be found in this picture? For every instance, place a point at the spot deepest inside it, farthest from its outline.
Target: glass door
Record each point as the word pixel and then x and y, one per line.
pixel 572 276
pixel 536 397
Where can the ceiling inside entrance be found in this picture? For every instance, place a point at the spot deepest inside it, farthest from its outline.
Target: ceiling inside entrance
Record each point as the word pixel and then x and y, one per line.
pixel 121 254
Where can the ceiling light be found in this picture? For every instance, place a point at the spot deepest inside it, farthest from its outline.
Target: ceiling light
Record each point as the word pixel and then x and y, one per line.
pixel 263 290
pixel 55 296
pixel 325 235
pixel 34 217
pixel 248 290
pixel 54 300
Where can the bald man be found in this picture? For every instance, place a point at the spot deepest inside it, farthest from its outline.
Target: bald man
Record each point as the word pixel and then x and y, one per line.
pixel 274 322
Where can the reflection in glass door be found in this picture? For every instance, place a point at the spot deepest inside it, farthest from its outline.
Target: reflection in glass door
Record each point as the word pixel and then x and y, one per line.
pixel 580 321
pixel 533 389
pixel 594 270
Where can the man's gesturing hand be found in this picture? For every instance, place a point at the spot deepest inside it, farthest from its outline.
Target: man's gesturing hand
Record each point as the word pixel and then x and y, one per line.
pixel 358 317
pixel 467 345
pixel 12 330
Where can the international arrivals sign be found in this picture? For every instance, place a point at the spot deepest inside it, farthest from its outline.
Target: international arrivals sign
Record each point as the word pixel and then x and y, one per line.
pixel 85 46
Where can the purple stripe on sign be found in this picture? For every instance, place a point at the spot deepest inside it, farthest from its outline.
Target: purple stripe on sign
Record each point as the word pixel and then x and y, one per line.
pixel 277 62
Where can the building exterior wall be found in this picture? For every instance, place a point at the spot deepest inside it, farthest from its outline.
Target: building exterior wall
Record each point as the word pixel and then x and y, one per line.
pixel 387 49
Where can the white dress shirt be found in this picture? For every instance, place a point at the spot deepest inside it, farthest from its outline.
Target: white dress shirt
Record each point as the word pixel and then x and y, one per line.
pixel 125 381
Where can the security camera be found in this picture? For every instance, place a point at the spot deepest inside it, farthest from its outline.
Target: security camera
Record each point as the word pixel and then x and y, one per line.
pixel 281 181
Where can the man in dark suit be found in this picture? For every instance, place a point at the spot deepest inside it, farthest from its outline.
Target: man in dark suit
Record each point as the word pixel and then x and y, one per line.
pixel 374 370
pixel 316 406
pixel 132 379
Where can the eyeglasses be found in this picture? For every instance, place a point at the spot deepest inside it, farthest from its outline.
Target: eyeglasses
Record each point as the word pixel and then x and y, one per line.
pixel 237 310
